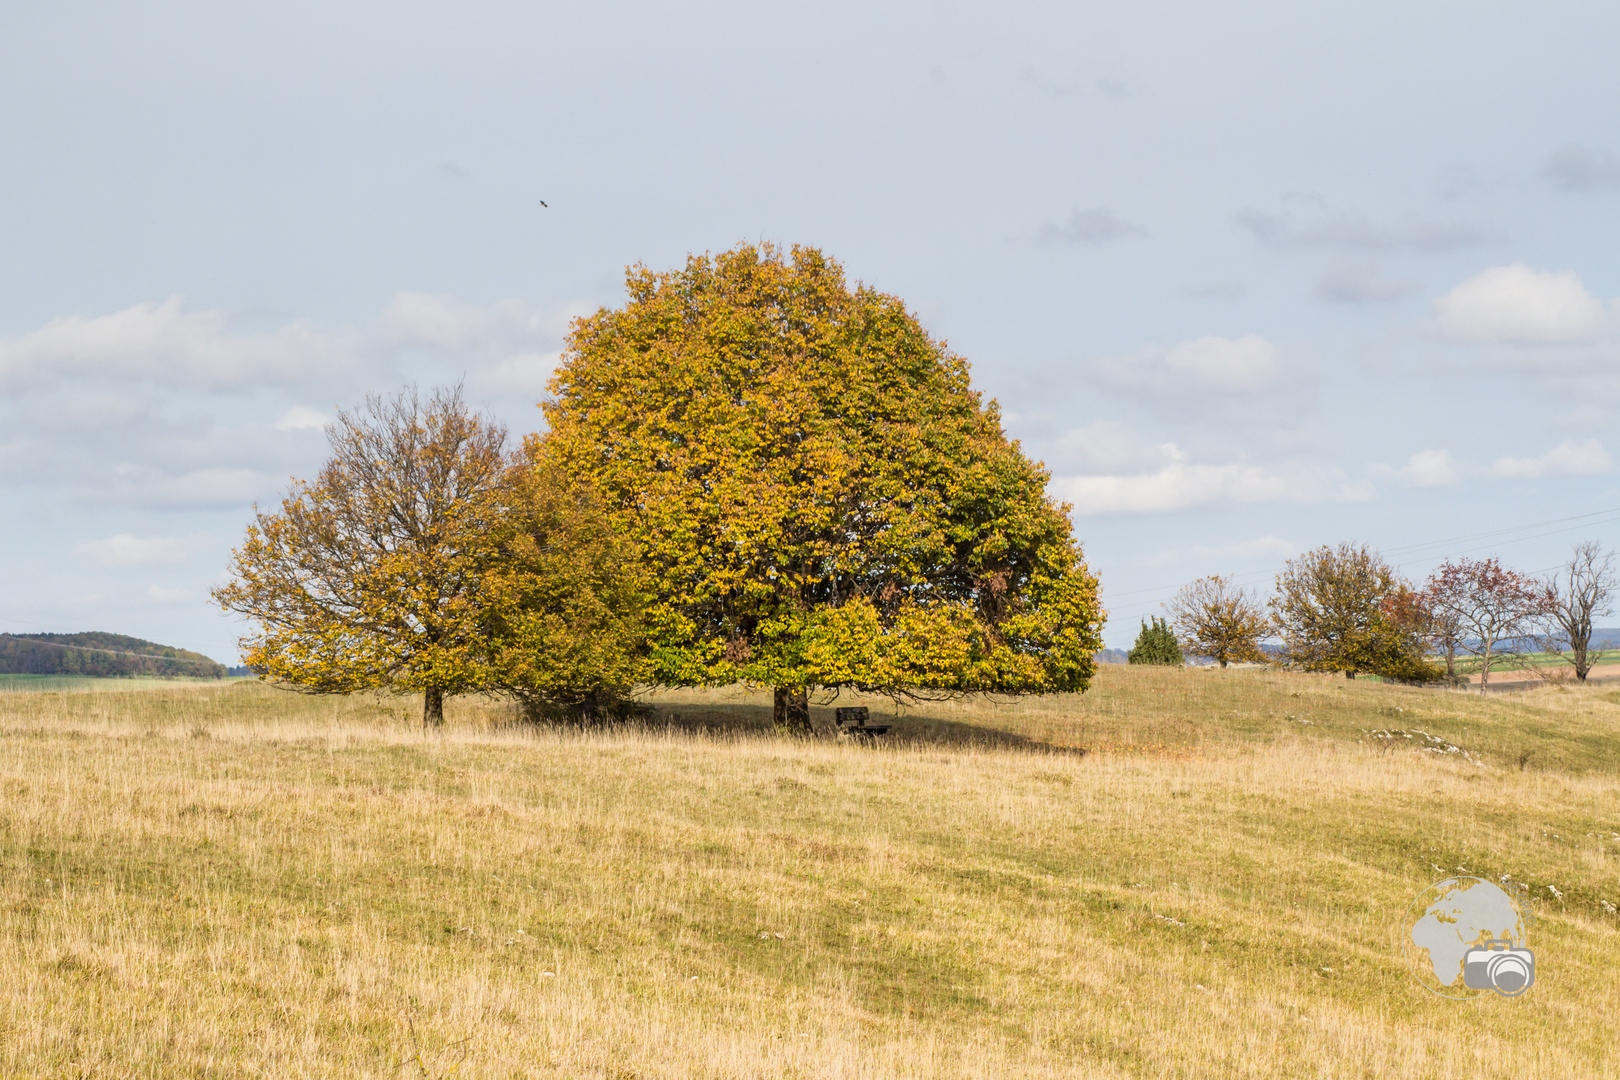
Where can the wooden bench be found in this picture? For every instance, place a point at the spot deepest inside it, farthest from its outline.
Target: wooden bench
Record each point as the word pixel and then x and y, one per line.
pixel 856 720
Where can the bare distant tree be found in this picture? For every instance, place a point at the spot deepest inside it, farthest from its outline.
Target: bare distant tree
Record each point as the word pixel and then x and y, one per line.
pixel 1215 618
pixel 1584 590
pixel 1489 606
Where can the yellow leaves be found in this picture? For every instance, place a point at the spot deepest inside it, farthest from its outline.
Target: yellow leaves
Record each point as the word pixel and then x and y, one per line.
pixel 784 450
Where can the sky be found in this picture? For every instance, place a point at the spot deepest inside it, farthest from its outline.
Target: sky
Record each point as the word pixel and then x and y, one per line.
pixel 1249 278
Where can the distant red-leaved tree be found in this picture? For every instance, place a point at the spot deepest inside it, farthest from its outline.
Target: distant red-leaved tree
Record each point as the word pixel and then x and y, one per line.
pixel 1484 606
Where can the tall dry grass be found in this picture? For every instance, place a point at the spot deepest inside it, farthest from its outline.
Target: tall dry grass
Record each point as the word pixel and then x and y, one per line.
pixel 233 881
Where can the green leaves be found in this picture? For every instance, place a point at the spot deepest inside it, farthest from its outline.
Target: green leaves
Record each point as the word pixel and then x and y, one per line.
pixel 1156 644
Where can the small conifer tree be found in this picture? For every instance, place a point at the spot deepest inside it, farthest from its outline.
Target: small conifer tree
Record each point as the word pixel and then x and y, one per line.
pixel 1156 644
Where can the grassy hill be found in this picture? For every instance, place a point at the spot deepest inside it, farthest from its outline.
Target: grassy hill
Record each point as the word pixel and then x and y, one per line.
pixel 1181 873
pixel 100 655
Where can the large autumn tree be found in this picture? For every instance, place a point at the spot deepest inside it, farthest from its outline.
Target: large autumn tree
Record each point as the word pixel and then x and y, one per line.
pixel 821 497
pixel 421 559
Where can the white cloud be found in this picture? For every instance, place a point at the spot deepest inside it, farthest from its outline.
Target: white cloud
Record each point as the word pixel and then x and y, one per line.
pixel 177 348
pixel 166 344
pixel 1517 305
pixel 1214 378
pixel 299 418
pixel 508 348
pixel 1248 364
pixel 1429 469
pixel 1568 458
pixel 1108 446
pixel 1180 485
pixel 162 406
pixel 126 549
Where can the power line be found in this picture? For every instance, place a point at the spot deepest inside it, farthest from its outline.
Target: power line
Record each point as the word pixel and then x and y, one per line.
pixel 1500 532
pixel 1257 575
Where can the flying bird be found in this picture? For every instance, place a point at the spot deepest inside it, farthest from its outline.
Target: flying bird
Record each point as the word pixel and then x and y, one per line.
pixel 543 203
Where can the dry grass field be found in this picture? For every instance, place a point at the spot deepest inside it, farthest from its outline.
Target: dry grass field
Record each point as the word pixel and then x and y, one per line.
pixel 1189 874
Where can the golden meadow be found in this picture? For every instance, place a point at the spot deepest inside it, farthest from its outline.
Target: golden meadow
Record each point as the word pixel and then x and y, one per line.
pixel 1179 873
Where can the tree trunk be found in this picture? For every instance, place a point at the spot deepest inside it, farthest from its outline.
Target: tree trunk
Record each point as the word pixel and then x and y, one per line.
pixel 432 708
pixel 1349 674
pixel 791 709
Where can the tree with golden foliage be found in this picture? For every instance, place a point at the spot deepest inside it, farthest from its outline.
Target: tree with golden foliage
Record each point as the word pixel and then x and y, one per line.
pixel 1331 610
pixel 418 560
pixel 563 597
pixel 1213 617
pixel 820 496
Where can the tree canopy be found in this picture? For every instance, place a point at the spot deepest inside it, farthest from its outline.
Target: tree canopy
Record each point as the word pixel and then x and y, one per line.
pixel 1155 644
pixel 369 575
pixel 1218 619
pixel 421 559
pixel 1330 608
pixel 820 496
pixel 562 597
pixel 1491 606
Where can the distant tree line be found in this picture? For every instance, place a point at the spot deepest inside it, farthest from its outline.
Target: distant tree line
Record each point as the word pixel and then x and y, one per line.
pixel 1344 609
pixel 100 655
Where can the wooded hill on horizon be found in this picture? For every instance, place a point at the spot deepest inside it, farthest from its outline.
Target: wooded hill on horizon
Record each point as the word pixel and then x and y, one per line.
pixel 100 655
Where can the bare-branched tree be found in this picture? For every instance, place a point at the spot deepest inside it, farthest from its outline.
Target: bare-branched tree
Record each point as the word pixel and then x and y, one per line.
pixel 1582 591
pixel 1213 617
